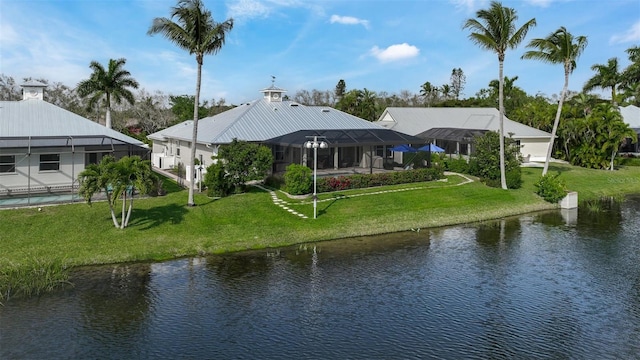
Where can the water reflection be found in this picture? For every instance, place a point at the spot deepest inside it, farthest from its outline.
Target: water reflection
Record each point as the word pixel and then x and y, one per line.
pixel 535 286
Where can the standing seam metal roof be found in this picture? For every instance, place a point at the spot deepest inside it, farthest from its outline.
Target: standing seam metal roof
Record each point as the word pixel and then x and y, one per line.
pixel 39 119
pixel 414 121
pixel 262 120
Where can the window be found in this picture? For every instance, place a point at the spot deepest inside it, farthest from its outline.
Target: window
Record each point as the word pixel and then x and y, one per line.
pixel 7 163
pixel 279 153
pixel 49 162
pixel 178 151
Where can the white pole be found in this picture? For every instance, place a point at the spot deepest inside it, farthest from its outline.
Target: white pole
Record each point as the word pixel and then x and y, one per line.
pixel 315 174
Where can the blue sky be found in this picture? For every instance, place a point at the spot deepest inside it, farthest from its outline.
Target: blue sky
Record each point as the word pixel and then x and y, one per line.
pixel 379 45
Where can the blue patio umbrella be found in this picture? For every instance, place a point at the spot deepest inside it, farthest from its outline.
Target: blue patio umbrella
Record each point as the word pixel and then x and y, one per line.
pixel 404 148
pixel 431 148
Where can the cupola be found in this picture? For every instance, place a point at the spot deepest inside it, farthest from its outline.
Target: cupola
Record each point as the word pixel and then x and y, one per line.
pixel 273 93
pixel 33 89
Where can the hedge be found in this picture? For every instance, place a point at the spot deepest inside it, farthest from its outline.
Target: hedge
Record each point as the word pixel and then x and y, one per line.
pixel 359 181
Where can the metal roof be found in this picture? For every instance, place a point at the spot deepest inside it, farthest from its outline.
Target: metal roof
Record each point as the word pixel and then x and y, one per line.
pixel 463 136
pixel 631 115
pixel 38 119
pixel 347 137
pixel 262 120
pixel 414 121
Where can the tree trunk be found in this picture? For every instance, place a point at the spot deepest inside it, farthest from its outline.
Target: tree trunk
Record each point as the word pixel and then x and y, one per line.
pixel 556 122
pixel 113 212
pixel 108 116
pixel 194 138
pixel 503 177
pixel 126 223
pixel 613 156
pixel 124 203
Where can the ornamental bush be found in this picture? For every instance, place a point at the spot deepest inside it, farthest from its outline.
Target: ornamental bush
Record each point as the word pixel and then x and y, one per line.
pixel 297 179
pixel 550 188
pixel 458 165
pixel 359 181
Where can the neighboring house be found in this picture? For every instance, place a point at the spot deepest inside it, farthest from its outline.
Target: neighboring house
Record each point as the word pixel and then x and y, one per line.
pixel 43 147
pixel 631 116
pixel 454 128
pixel 284 126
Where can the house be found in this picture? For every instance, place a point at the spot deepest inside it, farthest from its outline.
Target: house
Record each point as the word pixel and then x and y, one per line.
pixel 284 126
pixel 43 147
pixel 454 128
pixel 631 116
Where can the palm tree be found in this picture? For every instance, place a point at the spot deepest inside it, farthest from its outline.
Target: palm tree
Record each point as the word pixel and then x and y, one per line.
pixel 428 93
pixel 110 84
pixel 560 47
pixel 607 76
pixel 196 32
pixel 118 179
pixel 495 30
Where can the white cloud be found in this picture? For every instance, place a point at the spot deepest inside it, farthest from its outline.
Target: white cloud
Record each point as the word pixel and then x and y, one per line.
pixel 247 9
pixel 469 6
pixel 541 3
pixel 631 35
pixel 395 52
pixel 349 20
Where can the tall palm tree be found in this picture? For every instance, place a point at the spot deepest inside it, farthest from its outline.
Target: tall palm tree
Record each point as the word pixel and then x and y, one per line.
pixel 110 84
pixel 196 32
pixel 607 76
pixel 495 30
pixel 560 47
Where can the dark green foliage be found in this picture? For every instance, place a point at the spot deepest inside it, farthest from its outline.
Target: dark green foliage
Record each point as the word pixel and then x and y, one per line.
pixel 298 180
pixel 457 165
pixel 216 181
pixel 550 188
pixel 238 162
pixel 359 181
pixel 183 106
pixel 485 162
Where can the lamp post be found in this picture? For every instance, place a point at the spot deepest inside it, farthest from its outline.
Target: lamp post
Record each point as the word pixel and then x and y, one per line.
pixel 315 144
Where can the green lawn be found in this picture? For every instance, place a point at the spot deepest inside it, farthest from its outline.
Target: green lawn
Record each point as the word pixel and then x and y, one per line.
pixel 164 227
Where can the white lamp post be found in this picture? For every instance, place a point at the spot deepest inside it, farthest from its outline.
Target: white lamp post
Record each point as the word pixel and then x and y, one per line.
pixel 315 144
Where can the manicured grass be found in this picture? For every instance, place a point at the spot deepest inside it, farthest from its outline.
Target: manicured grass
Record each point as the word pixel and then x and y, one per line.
pixel 164 227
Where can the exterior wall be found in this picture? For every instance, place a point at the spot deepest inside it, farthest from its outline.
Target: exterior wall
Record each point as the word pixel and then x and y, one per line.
pixel 168 154
pixel 71 164
pixel 535 149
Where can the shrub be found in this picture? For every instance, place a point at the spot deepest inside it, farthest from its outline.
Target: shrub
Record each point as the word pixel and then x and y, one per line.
pixel 359 181
pixel 550 188
pixel 297 179
pixel 217 181
pixel 458 165
pixel 485 162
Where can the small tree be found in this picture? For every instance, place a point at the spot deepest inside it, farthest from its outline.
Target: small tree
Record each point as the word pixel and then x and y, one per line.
pixel 298 180
pixel 239 162
pixel 118 179
pixel 485 161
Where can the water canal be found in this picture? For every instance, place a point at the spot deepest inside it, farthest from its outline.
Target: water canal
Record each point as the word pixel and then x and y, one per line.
pixel 545 285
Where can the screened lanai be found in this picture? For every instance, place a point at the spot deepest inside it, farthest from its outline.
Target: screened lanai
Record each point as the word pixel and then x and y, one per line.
pixel 363 148
pixel 452 140
pixel 36 166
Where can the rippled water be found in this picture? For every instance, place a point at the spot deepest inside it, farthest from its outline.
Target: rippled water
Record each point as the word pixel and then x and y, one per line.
pixel 548 285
